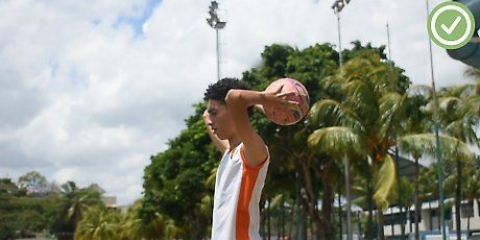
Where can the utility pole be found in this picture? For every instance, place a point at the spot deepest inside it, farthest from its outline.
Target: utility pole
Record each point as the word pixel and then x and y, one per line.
pixel 337 8
pixel 215 22
pixel 438 152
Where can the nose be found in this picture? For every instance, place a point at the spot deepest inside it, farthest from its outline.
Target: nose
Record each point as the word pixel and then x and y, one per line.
pixel 209 121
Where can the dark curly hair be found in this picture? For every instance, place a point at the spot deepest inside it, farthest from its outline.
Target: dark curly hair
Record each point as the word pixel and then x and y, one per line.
pixel 218 91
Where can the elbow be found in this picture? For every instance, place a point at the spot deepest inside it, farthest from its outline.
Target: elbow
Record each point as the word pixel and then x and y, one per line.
pixel 233 97
pixel 238 99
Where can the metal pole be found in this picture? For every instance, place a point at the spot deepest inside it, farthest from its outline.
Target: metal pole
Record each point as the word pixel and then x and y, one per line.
pixel 337 8
pixel 438 152
pixel 218 55
pixel 388 41
pixel 337 11
pixel 217 24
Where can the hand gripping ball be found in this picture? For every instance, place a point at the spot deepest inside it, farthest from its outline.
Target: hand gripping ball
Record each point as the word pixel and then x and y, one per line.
pixel 284 116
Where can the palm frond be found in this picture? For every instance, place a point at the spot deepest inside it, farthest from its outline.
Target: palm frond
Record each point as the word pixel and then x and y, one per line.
pixel 338 141
pixel 473 73
pixel 361 98
pixel 385 180
pixel 391 108
pixel 425 143
pixel 328 112
pixel 277 200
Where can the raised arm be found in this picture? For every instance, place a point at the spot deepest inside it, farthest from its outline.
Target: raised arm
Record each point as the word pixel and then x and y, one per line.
pixel 238 101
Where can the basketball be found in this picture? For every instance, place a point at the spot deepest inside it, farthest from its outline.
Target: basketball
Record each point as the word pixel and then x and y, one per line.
pixel 283 116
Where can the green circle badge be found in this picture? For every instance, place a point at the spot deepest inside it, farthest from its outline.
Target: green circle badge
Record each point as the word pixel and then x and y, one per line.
pixel 451 25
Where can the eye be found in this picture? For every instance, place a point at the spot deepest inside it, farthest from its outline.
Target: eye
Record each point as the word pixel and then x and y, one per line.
pixel 212 113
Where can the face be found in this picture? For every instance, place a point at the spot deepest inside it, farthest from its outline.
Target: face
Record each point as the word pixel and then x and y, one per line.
pixel 220 120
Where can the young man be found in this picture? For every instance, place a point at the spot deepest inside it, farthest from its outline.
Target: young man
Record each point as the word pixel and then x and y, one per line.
pixel 243 168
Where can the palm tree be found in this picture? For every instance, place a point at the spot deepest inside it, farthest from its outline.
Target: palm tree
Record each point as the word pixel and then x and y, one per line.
pixel 457 120
pixel 75 201
pixel 426 145
pixel 99 224
pixel 155 226
pixel 472 189
pixel 428 188
pixel 360 122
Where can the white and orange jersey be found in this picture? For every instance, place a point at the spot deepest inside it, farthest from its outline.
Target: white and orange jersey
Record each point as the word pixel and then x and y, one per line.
pixel 238 187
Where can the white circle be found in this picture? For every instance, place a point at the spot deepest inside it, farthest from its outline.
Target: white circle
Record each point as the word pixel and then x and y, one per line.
pixel 434 29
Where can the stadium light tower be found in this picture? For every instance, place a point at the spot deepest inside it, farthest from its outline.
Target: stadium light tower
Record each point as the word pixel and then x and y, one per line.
pixel 337 7
pixel 215 22
pixel 437 138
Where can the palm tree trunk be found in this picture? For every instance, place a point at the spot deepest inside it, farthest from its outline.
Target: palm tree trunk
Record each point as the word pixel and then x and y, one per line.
pixel 349 208
pixel 458 196
pixel 400 197
pixel 311 195
pixel 327 229
pixel 370 227
pixel 468 225
pixel 381 233
pixel 282 223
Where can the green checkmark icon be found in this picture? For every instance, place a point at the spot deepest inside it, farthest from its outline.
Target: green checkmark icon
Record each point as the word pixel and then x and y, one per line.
pixel 451 25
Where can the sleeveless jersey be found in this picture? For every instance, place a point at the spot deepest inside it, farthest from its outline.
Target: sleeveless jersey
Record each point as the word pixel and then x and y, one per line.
pixel 238 187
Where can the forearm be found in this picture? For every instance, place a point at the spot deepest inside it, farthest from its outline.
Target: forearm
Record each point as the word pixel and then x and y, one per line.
pixel 245 98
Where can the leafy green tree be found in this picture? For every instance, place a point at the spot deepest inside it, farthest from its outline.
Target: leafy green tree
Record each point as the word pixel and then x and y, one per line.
pixel 99 223
pixel 30 215
pixel 294 167
pixel 20 214
pixel 34 183
pixel 174 182
pixel 8 190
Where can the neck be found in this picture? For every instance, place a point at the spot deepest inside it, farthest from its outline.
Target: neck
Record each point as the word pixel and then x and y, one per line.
pixel 234 142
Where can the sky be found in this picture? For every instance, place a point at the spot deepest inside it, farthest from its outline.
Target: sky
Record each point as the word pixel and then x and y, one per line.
pixel 89 90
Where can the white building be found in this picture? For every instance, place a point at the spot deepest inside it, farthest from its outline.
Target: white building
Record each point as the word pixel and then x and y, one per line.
pixel 430 219
pixel 430 215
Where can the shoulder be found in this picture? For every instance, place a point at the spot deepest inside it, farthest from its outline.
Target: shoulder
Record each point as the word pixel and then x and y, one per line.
pixel 253 164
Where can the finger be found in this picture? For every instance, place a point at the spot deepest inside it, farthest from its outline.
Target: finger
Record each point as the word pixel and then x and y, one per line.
pixel 292 105
pixel 286 94
pixel 279 89
pixel 289 103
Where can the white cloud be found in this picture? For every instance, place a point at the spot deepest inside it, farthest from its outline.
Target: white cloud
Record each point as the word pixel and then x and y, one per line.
pixel 85 97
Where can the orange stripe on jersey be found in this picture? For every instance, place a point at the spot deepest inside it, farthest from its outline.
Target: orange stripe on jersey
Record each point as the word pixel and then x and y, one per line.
pixel 249 178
